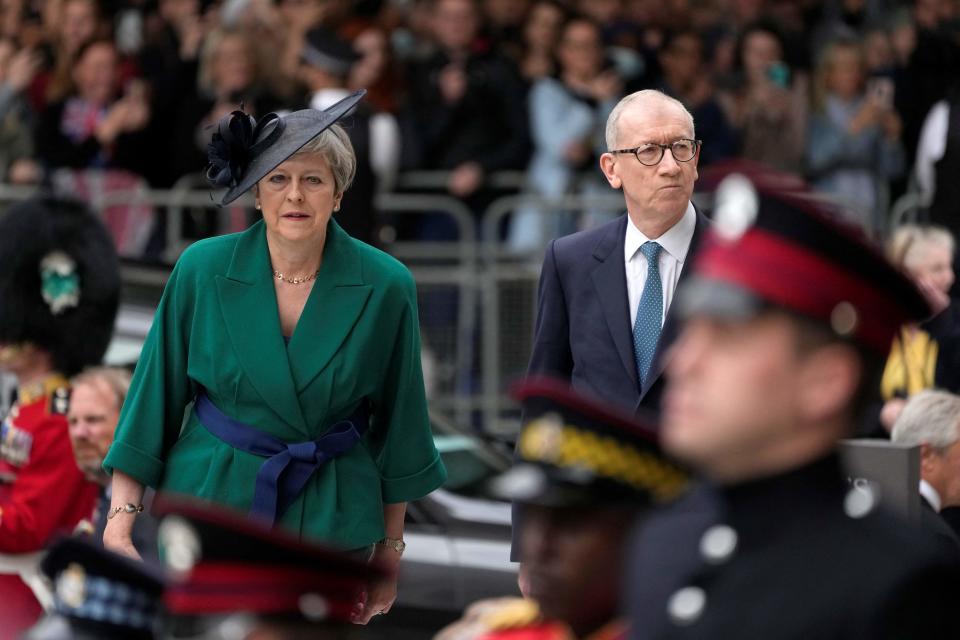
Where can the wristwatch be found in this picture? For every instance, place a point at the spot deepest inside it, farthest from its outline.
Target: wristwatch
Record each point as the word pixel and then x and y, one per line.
pixel 396 544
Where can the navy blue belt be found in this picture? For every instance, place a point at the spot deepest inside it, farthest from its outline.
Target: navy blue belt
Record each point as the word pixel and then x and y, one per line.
pixel 288 466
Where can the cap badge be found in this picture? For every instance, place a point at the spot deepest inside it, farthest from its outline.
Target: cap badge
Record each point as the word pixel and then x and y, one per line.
pixel 736 207
pixel 71 586
pixel 543 438
pixel 59 282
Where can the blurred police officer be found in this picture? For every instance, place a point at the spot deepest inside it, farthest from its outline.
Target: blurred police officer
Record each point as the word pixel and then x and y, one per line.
pixel 235 579
pixel 584 474
pixel 788 319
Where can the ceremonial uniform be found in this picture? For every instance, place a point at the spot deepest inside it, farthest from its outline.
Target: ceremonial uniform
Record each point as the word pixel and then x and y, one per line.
pixel 778 545
pixel 584 474
pixel 59 292
pixel 41 489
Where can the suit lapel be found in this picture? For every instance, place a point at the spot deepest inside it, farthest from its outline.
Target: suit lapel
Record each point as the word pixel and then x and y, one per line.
pixel 249 306
pixel 671 326
pixel 610 282
pixel 338 298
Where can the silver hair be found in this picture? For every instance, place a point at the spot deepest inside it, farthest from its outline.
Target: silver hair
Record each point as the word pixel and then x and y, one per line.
pixel 116 379
pixel 931 417
pixel 650 98
pixel 909 241
pixel 335 147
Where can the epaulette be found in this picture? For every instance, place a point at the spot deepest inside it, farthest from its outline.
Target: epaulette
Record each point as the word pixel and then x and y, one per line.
pixel 55 389
pixel 513 613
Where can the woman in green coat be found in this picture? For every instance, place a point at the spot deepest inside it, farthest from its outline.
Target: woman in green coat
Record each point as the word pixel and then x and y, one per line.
pixel 282 375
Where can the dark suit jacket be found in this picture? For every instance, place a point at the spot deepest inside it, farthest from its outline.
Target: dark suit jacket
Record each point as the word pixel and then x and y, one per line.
pixel 583 331
pixel 934 523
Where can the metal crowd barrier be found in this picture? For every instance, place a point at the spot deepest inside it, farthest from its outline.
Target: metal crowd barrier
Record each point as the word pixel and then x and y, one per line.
pixel 477 297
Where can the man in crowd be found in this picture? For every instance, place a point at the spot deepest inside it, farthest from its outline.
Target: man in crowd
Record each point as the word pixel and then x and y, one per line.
pixel 788 319
pixel 584 474
pixel 931 420
pixel 95 401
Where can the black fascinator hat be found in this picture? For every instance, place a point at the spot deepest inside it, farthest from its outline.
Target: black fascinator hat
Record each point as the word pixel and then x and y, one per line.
pixel 60 281
pixel 243 150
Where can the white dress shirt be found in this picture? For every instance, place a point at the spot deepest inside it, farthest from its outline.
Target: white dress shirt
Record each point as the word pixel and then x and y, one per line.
pixel 675 244
pixel 931 495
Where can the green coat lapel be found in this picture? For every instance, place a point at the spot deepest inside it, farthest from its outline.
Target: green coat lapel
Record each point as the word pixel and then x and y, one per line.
pixel 338 298
pixel 249 306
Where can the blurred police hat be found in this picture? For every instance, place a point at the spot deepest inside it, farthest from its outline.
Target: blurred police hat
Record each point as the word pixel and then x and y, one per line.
pixel 99 595
pixel 775 244
pixel 60 281
pixel 223 563
pixel 322 48
pixel 574 450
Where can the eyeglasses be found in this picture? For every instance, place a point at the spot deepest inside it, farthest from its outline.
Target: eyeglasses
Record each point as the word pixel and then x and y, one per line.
pixel 651 154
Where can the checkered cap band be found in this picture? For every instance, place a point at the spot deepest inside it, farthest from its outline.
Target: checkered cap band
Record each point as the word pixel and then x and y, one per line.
pixel 113 603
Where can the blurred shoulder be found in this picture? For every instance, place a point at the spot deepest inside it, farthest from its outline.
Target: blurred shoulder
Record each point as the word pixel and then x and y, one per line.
pixel 380 269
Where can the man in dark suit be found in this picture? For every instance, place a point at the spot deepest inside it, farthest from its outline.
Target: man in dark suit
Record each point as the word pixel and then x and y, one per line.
pixel 787 320
pixel 931 420
pixel 603 317
pixel 603 320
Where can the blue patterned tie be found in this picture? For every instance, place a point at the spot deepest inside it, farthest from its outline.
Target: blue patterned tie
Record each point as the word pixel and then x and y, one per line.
pixel 646 329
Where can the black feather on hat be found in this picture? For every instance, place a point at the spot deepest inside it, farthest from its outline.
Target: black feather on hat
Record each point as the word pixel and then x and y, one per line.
pixel 59 281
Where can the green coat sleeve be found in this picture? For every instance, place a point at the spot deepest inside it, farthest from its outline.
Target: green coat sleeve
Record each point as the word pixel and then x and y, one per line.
pixel 410 466
pixel 152 414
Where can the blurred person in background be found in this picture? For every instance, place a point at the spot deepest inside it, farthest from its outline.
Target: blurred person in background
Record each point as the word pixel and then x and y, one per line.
pixel 925 355
pixel 375 70
pixel 541 33
pixel 170 64
pixel 96 396
pixel 60 287
pixel 768 108
pixel 932 67
pixel 931 420
pixel 296 18
pixel 231 71
pixel 568 114
pixel 938 162
pixel 325 68
pixel 466 112
pixel 98 125
pixel 684 77
pixel 853 142
pixel 504 22
pixel 74 24
pixel 17 69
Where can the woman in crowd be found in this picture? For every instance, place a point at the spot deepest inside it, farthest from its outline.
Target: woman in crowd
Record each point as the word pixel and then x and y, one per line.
pixel 230 73
pixel 768 108
pixel 299 349
pixel 568 114
pixel 927 355
pixel 540 35
pixel 853 143
pixel 95 127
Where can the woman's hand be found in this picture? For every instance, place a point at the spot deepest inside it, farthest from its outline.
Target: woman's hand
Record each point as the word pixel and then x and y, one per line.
pixel 118 541
pixel 381 592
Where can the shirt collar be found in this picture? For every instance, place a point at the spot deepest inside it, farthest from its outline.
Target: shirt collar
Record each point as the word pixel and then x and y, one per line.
pixel 325 98
pixel 931 495
pixel 676 241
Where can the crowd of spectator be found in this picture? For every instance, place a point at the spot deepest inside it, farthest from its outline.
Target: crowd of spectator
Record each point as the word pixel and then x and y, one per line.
pixel 834 90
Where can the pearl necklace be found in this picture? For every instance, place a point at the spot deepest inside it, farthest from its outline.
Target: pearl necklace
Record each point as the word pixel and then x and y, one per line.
pixel 280 276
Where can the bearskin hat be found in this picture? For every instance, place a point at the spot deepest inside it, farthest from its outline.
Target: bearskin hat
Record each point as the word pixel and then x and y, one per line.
pixel 59 281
